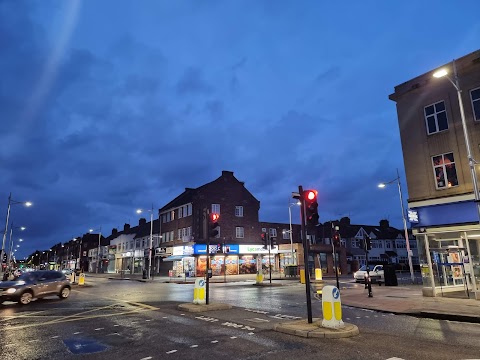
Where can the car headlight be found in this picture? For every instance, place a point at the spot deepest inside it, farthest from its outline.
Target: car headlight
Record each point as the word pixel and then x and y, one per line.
pixel 11 290
pixel 354 274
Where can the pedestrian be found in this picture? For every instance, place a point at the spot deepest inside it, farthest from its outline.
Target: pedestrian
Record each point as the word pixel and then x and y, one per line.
pixel 5 275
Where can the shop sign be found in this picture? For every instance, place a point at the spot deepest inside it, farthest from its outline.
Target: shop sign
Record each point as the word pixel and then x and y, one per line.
pixel 182 250
pixel 256 249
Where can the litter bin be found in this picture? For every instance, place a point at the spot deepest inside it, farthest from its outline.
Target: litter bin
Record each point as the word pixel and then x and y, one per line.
pixel 144 274
pixel 390 275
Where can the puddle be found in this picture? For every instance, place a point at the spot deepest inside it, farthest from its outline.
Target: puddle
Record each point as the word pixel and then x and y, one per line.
pixel 83 345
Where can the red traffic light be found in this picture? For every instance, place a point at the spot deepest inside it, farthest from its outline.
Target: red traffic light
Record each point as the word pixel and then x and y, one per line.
pixel 311 195
pixel 214 217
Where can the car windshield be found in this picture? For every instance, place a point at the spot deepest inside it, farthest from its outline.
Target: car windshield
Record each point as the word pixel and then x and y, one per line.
pixel 364 268
pixel 28 277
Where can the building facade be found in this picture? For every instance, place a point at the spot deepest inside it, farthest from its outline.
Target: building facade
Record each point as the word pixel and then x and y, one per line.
pixel 441 174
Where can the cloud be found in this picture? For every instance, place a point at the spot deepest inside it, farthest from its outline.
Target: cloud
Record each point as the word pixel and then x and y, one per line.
pixel 192 82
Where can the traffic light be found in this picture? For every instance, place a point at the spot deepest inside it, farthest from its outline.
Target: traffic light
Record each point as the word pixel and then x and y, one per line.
pixel 366 243
pixel 213 225
pixel 311 207
pixel 264 240
pixel 273 242
pixel 336 239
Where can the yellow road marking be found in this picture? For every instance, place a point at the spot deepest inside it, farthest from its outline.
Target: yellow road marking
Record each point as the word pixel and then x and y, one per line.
pixel 10 317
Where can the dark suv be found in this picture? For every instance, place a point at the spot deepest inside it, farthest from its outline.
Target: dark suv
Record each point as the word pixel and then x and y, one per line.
pixel 35 284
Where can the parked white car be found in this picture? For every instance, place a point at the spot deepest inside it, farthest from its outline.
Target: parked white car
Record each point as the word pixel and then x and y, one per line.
pixel 376 274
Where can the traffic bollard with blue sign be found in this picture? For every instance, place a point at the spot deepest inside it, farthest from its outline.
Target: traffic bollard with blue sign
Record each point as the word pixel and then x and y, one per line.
pixel 332 308
pixel 199 292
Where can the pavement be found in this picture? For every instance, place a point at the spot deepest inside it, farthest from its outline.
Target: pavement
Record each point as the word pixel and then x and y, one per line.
pixel 406 299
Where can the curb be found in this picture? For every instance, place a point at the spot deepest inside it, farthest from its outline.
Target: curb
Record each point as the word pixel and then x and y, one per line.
pixel 315 330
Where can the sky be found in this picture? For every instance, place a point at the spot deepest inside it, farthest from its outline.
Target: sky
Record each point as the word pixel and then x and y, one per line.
pixel 113 105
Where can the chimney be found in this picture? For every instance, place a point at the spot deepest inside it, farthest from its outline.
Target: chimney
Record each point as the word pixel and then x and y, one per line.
pixel 114 231
pixel 225 173
pixel 142 221
pixel 126 227
pixel 384 224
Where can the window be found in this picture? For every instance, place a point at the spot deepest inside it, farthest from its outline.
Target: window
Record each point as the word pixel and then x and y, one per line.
pixel 239 232
pixel 400 244
pixel 167 217
pixel 189 209
pixel 180 212
pixel 388 245
pixel 273 232
pixel 189 231
pixel 355 243
pixel 376 244
pixel 172 235
pixel 239 211
pixel 216 208
pixel 173 214
pixel 444 171
pixel 475 96
pixel 179 236
pixel 286 234
pixel 436 118
pixel 264 230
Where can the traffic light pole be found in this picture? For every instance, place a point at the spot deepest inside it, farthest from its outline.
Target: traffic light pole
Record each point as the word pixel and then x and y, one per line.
pixel 335 259
pixel 269 258
pixel 305 255
pixel 207 282
pixel 368 280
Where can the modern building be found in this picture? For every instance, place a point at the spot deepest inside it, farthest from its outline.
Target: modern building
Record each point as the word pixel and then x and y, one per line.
pixel 439 123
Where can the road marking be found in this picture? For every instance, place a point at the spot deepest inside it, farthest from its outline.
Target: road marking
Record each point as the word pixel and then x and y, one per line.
pixel 233 337
pixel 99 329
pixel 148 320
pixel 54 337
pixel 136 311
pixel 214 341
pixel 78 332
pixel 30 313
pixel 347 319
pixel 182 314
pixel 194 346
pixel 146 358
pixel 133 322
pixel 116 325
pixel 149 307
pixel 30 341
pixel 165 317
pixel 171 351
pixel 251 333
pixel 358 317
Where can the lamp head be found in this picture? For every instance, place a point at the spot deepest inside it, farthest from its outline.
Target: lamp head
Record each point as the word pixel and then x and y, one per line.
pixel 440 73
pixel 139 211
pixel 381 185
pixel 28 204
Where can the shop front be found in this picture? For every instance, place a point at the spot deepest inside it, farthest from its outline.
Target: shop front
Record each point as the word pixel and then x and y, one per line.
pixel 449 254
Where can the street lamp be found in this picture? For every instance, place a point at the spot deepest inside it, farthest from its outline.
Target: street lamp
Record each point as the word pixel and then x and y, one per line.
pixel 98 251
pixel 139 211
pixel 291 231
pixel 11 242
pixel 10 203
pixel 409 252
pixel 471 162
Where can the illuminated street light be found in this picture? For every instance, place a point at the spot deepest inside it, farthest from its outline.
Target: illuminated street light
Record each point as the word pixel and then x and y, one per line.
pixel 409 252
pixel 10 203
pixel 139 211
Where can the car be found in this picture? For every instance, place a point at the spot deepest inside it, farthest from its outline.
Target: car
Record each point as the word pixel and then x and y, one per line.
pixel 376 274
pixel 35 285
pixel 67 272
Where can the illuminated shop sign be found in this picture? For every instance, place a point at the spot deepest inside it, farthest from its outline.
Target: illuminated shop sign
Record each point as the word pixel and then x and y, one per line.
pixel 182 250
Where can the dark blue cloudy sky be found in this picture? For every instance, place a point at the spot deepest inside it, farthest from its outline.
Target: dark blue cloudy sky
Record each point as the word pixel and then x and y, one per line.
pixel 107 106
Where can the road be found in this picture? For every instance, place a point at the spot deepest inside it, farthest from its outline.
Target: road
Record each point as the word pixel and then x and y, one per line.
pixel 114 319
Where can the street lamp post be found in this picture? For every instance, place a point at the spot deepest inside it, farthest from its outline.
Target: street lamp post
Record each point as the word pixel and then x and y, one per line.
pixel 409 252
pixel 471 162
pixel 291 230
pixel 10 203
pixel 11 242
pixel 98 250
pixel 139 211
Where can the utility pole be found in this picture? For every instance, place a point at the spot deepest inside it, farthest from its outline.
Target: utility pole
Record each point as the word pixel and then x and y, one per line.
pixel 305 255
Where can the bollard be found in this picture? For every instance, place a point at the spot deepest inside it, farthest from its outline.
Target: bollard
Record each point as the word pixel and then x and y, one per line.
pixel 81 279
pixel 259 278
pixel 199 292
pixel 318 274
pixel 332 308
pixel 302 276
pixel 72 277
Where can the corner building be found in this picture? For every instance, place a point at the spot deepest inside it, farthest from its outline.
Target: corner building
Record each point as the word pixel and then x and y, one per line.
pixel 442 207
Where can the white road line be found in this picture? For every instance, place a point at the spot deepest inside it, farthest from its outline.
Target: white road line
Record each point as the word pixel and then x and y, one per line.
pixel 146 358
pixel 182 314
pixel 133 322
pixel 250 333
pixel 99 329
pixel 394 358
pixel 165 317
pixel 116 325
pixel 30 341
pixel 54 337
pixel 233 337
pixel 194 346
pixel 76 333
pixel 214 341
pixel 347 319
pixel 358 317
pixel 148 320
pixel 171 351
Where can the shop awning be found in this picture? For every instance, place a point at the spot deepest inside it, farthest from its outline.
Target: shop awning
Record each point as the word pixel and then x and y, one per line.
pixel 174 258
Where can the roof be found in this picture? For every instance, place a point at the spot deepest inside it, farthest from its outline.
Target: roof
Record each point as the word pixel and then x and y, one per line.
pixel 144 230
